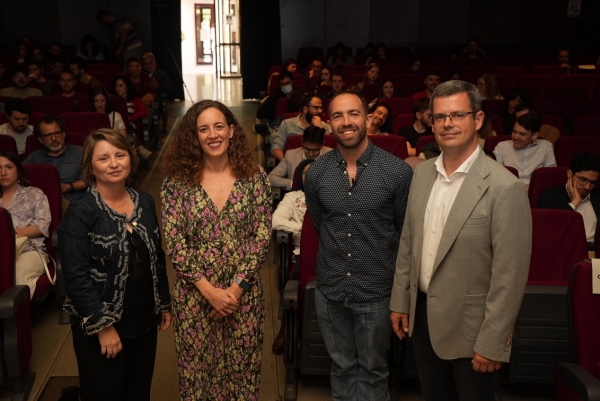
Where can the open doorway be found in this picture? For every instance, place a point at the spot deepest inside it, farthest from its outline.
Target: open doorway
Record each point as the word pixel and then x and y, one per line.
pixel 205 33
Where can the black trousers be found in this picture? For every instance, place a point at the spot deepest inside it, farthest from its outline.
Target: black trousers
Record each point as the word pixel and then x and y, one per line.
pixel 441 380
pixel 127 377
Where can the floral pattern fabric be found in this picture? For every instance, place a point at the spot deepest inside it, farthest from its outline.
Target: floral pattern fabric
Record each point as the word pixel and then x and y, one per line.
pixel 218 360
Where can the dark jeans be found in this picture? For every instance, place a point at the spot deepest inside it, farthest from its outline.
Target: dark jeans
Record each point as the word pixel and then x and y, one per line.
pixel 446 380
pixel 127 377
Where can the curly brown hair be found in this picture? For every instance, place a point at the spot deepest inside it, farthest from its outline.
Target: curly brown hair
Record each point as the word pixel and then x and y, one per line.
pixel 184 158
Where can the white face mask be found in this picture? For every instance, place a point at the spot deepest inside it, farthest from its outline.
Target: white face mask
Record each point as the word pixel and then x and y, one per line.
pixel 286 89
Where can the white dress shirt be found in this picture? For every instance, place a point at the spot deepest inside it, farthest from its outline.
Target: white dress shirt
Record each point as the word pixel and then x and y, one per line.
pixel 289 216
pixel 538 154
pixel 586 210
pixel 442 196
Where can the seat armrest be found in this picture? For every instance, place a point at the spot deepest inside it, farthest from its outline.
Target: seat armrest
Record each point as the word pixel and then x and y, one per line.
pixel 282 237
pixel 585 384
pixel 290 294
pixel 11 299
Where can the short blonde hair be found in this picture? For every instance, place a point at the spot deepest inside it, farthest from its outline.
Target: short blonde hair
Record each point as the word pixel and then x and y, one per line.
pixel 113 137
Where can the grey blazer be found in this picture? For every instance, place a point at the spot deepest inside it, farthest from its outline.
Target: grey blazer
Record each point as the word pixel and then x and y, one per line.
pixel 481 268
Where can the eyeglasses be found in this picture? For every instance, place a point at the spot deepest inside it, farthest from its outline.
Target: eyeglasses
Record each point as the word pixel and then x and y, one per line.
pixel 51 134
pixel 318 108
pixel 585 181
pixel 454 116
pixel 20 75
pixel 314 152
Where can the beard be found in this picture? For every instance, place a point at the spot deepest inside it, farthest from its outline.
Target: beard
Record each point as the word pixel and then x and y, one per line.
pixel 350 143
pixel 309 116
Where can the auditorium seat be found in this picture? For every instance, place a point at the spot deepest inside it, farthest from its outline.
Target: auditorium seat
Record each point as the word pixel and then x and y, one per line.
pixel 541 337
pixel 120 106
pixel 50 105
pixel 8 143
pixel 591 107
pixel 513 170
pixel 558 107
pixel 370 92
pixel 566 147
pixel 403 120
pixel 497 125
pixel 494 106
pixel 492 141
pixel 393 144
pixel 544 178
pixel 32 144
pixel 307 54
pixel 587 125
pixel 295 142
pixel 281 107
pixel 15 314
pixel 350 70
pixel 581 380
pixel 535 80
pixel 85 122
pixel 399 105
pixel 555 121
pixel 424 140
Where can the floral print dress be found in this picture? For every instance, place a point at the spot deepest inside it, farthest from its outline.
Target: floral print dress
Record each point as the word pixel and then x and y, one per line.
pixel 218 360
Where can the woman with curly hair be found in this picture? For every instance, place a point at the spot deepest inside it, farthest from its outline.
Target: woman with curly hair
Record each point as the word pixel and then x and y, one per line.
pixel 216 210
pixel 488 86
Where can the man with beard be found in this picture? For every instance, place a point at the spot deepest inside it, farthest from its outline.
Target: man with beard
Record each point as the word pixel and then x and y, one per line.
pixel 21 90
pixel 79 100
pixel 310 114
pixel 356 196
pixel 50 131
pixel 432 80
pixel 18 112
pixel 421 126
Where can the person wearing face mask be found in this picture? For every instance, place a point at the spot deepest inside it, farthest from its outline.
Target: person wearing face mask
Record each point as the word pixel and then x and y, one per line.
pixel 310 114
pixel 267 110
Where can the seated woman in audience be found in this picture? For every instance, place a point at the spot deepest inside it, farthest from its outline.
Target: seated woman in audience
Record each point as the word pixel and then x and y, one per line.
pixel 380 51
pixel 340 57
pixel 510 103
pixel 369 53
pixel 488 86
pixel 486 129
pixel 381 120
pixel 415 64
pixel 115 274
pixel 89 50
pixel 135 107
pixel 21 53
pixel 101 103
pixel 387 88
pixel 30 213
pixel 324 77
pixel 371 75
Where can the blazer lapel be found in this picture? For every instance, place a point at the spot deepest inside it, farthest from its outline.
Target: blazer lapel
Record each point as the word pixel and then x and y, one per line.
pixel 471 191
pixel 423 193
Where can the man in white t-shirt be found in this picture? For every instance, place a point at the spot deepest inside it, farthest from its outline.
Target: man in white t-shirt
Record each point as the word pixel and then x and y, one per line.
pixel 18 112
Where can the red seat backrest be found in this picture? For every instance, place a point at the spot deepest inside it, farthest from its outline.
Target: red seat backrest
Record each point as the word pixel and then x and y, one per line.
pixel 566 147
pixel 52 105
pixel 559 242
pixel 295 142
pixel 393 144
pixel 370 92
pixel 399 105
pixel 494 106
pixel 492 141
pixel 424 140
pixel 555 121
pixel 544 178
pixel 512 170
pixel 85 122
pixel 8 143
pixel 587 125
pixel 281 107
pixel 401 121
pixel 557 107
pixel 497 125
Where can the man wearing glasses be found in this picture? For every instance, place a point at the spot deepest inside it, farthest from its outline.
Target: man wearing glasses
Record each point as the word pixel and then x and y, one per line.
pixel 578 194
pixel 312 147
pixel 21 90
pixel 50 132
pixel 310 114
pixel 525 151
pixel 464 255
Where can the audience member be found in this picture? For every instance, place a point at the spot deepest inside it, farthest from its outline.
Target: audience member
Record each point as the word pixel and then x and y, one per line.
pixel 57 64
pixel 310 114
pixel 525 151
pixel 50 132
pixel 79 100
pixel 312 147
pixel 421 126
pixel 473 50
pixel 288 65
pixel 21 54
pixel 359 217
pixel 387 88
pixel 37 54
pixel 55 49
pixel 337 84
pixel 455 74
pixel 21 90
pixel 30 214
pixel 371 75
pixel 35 69
pixel 486 129
pixel 340 57
pixel 89 49
pixel 379 119
pixel 266 111
pixel 18 112
pixel 578 194
pixel 564 60
pixel 432 80
pixel 380 50
pixel 314 73
pixel 369 53
pixel 128 43
pixel 488 86
pixel 100 102
pixel 415 64
pixel 141 81
pixel 325 77
pixel 512 100
pixel 159 78
pixel 463 259
pixel 547 131
pixel 79 68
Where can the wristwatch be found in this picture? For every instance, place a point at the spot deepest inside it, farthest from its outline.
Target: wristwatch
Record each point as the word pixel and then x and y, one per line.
pixel 242 283
pixel 72 187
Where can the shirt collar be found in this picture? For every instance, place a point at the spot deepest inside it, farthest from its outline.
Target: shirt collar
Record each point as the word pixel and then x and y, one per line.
pixel 55 157
pixel 587 198
pixel 463 168
pixel 364 159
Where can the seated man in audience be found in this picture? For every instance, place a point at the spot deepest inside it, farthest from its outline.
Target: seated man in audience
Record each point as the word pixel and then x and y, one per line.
pixel 67 158
pixel 564 59
pixel 141 81
pixel 432 80
pixel 267 110
pixel 525 151
pixel 35 68
pixel 57 64
pixel 312 107
pixel 55 49
pixel 314 73
pixel 547 132
pixel 160 80
pixel 79 100
pixel 18 112
pixel 21 90
pixel 312 147
pixel 78 66
pixel 337 84
pixel 473 50
pixel 579 195
pixel 421 126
